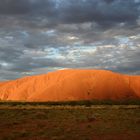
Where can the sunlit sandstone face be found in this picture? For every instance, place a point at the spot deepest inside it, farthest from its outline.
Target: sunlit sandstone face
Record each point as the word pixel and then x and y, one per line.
pixel 72 84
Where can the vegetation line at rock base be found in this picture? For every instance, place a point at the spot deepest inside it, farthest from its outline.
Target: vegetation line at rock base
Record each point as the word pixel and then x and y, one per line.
pixel 75 103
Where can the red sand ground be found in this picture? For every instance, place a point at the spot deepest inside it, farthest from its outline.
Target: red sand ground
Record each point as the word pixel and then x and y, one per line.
pixel 72 84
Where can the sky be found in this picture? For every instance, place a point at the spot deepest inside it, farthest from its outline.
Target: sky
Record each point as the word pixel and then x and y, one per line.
pixel 39 36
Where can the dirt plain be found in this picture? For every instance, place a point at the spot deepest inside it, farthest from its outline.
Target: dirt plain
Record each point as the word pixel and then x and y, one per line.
pixel 65 122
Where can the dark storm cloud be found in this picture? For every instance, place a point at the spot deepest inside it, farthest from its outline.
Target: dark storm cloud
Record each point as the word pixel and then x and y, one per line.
pixel 101 12
pixel 28 64
pixel 21 7
pixel 9 54
pixel 106 13
pixel 14 7
pixel 130 63
pixel 44 35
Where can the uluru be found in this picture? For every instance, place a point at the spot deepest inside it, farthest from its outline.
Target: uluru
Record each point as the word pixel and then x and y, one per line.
pixel 72 85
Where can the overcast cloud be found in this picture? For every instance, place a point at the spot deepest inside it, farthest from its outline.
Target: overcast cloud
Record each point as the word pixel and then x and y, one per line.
pixel 38 36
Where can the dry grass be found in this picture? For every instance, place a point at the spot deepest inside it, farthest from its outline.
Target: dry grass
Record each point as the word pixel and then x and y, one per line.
pixel 42 122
